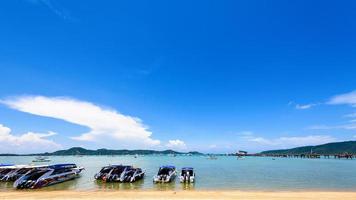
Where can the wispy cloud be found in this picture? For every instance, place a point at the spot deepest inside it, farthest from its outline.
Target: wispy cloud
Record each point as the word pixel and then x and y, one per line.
pixel 245 133
pixel 288 142
pixel 29 142
pixel 352 115
pixel 106 126
pixel 176 144
pixel 54 7
pixel 350 126
pixel 346 98
pixel 302 106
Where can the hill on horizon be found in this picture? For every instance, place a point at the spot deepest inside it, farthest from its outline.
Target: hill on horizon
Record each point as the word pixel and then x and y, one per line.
pixel 82 151
pixel 329 148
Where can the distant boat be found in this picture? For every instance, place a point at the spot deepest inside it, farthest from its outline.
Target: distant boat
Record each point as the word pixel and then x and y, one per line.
pixel 41 159
pixel 212 157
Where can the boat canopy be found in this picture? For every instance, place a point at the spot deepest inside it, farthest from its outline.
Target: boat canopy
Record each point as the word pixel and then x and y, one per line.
pixel 116 166
pixel 187 168
pixel 168 166
pixel 61 166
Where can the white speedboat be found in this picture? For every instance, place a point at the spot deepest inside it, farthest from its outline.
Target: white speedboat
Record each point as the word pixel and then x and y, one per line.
pixel 48 175
pixel 165 174
pixel 187 175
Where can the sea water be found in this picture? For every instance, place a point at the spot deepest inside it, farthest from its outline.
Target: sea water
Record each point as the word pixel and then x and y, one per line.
pixel 226 172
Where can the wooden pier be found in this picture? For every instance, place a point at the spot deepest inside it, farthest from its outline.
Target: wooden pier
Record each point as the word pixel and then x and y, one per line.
pixel 309 155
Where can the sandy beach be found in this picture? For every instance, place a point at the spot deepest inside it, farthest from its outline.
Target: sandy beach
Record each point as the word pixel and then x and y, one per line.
pixel 157 195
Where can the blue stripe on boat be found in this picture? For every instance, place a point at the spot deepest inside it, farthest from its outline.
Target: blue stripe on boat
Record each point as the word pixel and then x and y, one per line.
pixel 5 165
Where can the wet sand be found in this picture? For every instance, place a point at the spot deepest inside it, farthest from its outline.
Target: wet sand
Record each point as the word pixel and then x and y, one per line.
pixel 187 195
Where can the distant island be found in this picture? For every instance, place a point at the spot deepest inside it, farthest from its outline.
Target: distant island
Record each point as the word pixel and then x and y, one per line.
pixel 329 148
pixel 82 151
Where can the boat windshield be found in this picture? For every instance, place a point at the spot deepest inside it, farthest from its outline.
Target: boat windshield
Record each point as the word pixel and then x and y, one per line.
pixel 61 170
pixel 164 171
pixel 105 169
pixel 118 170
pixel 35 174
pixel 5 171
pixel 23 170
pixel 190 172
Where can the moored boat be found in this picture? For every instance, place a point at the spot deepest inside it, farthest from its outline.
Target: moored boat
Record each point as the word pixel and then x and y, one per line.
pixel 132 174
pixel 119 173
pixel 5 169
pixel 14 172
pixel 111 173
pixel 165 174
pixel 187 175
pixel 48 175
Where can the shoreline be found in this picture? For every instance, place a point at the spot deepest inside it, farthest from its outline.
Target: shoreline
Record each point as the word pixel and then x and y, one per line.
pixel 193 195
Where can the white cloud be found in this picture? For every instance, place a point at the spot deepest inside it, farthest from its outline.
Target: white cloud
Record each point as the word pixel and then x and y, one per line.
pixel 213 146
pixel 304 106
pixel 176 144
pixel 106 126
pixel 288 142
pixel 351 115
pixel 245 133
pixel 54 7
pixel 324 127
pixel 29 142
pixel 353 121
pixel 347 98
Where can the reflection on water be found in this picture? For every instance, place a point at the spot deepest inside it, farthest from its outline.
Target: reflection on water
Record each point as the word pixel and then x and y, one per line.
pixel 6 185
pixel 165 186
pixel 188 186
pixel 119 186
pixel 71 184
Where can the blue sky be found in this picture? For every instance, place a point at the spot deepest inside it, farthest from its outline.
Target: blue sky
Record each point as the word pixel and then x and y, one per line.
pixel 212 76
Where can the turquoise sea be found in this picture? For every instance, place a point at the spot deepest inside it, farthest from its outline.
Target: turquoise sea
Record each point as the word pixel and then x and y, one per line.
pixel 227 172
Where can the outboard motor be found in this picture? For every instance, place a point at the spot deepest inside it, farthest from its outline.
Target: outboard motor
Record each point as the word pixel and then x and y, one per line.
pixel 187 176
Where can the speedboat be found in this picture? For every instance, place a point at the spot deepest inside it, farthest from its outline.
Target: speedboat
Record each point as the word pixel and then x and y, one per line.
pixel 48 175
pixel 5 169
pixel 132 174
pixel 112 173
pixel 187 175
pixel 165 174
pixel 13 172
